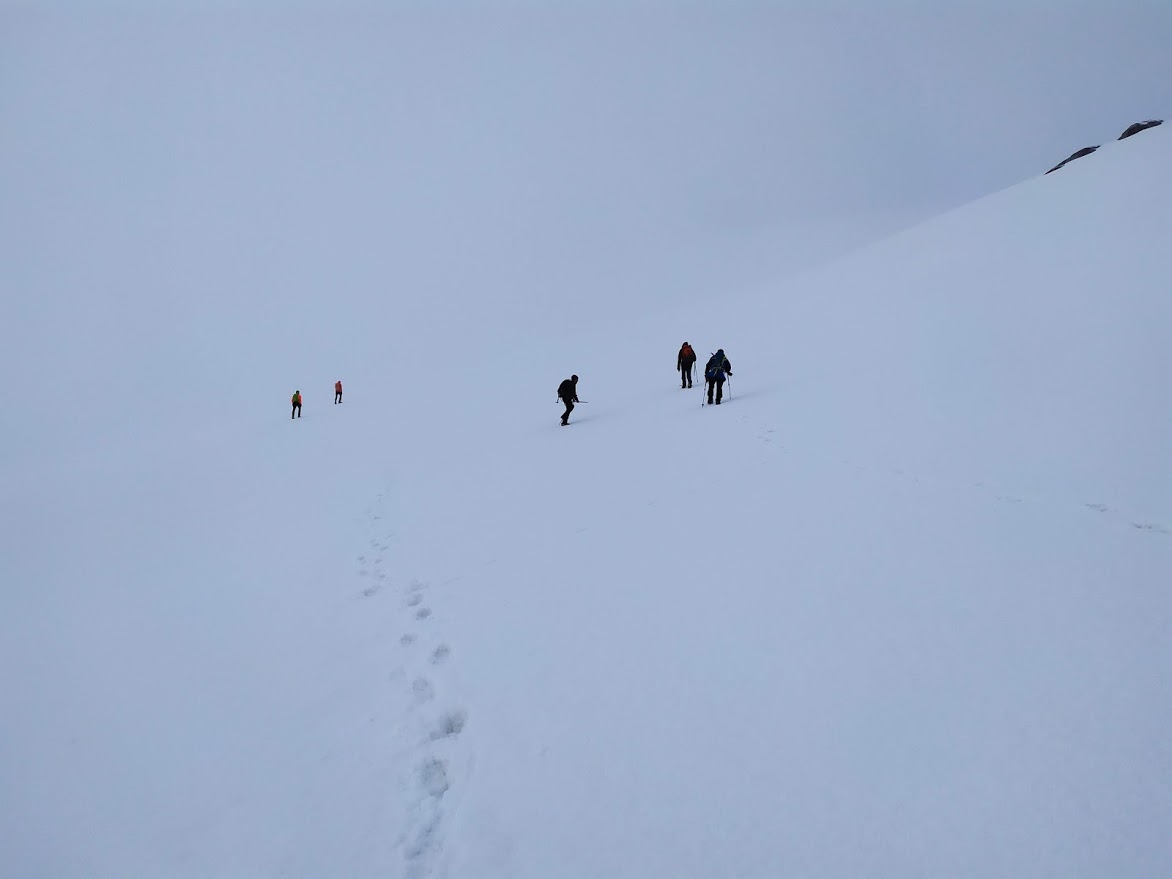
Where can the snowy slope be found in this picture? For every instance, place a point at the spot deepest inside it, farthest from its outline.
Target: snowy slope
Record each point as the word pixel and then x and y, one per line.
pixel 899 608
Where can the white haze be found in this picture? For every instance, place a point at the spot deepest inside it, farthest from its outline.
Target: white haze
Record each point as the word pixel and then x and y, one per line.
pixel 898 607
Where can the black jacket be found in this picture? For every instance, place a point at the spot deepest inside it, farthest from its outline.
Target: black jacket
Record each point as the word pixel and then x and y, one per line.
pixel 567 390
pixel 683 359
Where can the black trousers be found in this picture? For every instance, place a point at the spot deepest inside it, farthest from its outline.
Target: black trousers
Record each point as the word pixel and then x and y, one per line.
pixel 686 374
pixel 296 410
pixel 569 408
pixel 718 383
pixel 337 396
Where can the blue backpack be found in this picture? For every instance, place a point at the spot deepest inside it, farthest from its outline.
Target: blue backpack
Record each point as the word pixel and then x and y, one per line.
pixel 714 370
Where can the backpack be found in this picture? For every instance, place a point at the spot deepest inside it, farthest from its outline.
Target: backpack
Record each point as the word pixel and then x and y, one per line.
pixel 687 354
pixel 714 370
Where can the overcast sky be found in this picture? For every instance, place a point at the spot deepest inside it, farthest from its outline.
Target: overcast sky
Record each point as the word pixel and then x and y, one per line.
pixel 178 178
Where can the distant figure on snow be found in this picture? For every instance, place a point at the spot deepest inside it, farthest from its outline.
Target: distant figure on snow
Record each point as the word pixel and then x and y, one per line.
pixel 715 371
pixel 337 392
pixel 685 360
pixel 296 405
pixel 568 394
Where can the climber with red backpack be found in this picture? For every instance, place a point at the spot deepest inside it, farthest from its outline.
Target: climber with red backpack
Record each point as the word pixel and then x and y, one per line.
pixel 685 360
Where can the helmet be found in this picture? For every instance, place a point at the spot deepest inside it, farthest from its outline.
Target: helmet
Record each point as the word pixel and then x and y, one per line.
pixel 573 378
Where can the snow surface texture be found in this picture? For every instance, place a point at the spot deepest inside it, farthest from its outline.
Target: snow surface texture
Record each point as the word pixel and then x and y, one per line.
pixel 899 607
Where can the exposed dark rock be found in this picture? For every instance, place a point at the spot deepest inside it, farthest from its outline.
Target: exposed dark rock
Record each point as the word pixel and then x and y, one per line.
pixel 1085 151
pixel 1137 127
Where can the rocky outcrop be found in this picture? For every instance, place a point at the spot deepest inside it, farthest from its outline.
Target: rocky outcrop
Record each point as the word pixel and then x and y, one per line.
pixel 1134 128
pixel 1137 127
pixel 1085 151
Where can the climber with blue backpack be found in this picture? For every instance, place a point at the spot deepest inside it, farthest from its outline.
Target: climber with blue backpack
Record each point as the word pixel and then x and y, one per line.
pixel 715 372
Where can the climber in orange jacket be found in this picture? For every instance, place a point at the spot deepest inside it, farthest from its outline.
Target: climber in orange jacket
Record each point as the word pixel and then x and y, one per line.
pixel 296 405
pixel 337 392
